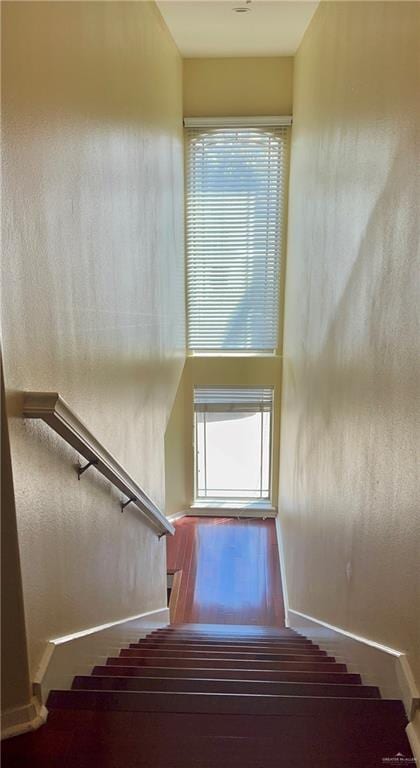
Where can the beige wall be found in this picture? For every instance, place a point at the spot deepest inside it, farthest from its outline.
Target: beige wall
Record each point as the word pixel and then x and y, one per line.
pixel 15 684
pixel 350 468
pixel 178 451
pixel 232 87
pixel 93 293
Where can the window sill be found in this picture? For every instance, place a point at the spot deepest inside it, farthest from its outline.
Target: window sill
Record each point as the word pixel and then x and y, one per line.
pixel 221 353
pixel 220 508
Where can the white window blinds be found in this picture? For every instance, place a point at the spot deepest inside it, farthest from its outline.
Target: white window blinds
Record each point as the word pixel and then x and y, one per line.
pixel 241 399
pixel 235 188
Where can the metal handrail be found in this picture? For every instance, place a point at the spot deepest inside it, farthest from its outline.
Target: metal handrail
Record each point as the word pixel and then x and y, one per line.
pixel 54 411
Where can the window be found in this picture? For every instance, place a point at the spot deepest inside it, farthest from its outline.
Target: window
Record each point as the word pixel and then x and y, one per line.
pixel 235 186
pixel 232 443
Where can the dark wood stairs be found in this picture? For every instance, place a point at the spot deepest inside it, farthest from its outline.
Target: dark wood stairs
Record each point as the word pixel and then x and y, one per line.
pixel 221 697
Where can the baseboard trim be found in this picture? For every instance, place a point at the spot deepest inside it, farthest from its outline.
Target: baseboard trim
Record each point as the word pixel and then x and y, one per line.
pixel 409 688
pixel 380 665
pixel 76 654
pixel 101 627
pixel 260 513
pixel 280 546
pixel 413 734
pixel 176 516
pixel 15 722
pixel 348 634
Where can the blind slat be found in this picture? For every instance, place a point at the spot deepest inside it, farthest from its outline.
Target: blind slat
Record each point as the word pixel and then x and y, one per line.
pixel 219 399
pixel 234 216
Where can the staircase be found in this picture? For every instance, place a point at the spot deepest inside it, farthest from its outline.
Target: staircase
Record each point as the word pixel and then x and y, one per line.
pixel 201 696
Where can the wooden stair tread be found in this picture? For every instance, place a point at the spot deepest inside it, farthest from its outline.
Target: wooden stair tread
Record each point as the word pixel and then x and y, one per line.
pixel 221 703
pixel 80 738
pixel 173 661
pixel 235 674
pixel 220 636
pixel 197 684
pixel 220 650
pixel 223 644
pixel 136 650
pixel 245 702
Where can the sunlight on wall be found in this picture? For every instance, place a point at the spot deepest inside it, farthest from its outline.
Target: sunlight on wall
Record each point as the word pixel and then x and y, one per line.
pixel 93 299
pixel 350 462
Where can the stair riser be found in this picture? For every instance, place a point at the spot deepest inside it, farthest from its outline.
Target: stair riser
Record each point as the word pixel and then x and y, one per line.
pixel 188 654
pixel 229 637
pixel 130 701
pixel 154 661
pixel 244 647
pixel 225 629
pixel 189 685
pixel 232 674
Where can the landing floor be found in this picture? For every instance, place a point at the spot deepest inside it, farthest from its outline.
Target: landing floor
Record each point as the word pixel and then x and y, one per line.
pixel 230 571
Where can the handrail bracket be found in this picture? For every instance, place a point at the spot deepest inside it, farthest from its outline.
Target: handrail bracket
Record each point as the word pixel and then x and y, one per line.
pixel 125 504
pixel 81 470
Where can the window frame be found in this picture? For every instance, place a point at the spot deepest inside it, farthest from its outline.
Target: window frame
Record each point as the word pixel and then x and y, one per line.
pixel 257 123
pixel 214 501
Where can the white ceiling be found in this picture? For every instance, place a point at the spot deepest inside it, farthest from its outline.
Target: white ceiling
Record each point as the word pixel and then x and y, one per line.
pixel 201 28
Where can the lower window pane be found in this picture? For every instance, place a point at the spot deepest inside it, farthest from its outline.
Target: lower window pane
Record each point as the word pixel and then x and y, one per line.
pixel 233 450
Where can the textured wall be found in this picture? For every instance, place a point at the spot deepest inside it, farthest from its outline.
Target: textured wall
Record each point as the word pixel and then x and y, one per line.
pixel 350 467
pixel 93 293
pixel 15 684
pixel 223 87
pixel 178 450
